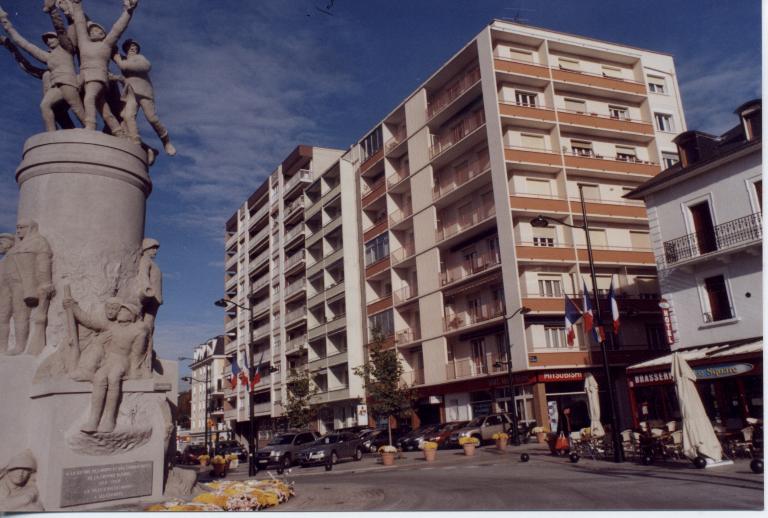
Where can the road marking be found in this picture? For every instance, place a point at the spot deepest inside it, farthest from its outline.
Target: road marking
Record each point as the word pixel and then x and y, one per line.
pixel 449 467
pixel 425 469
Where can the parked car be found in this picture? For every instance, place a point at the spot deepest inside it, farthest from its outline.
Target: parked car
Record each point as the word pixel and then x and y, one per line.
pixel 413 440
pixel 443 432
pixel 331 448
pixel 366 439
pixel 192 452
pixel 382 437
pixel 230 447
pixel 282 450
pixel 482 427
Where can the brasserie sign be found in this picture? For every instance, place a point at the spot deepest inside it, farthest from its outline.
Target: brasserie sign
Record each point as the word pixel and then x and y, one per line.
pixel 702 373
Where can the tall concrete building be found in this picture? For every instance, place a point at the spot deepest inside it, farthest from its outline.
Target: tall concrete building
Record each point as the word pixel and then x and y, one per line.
pixel 507 129
pixel 209 364
pixel 438 251
pixel 289 249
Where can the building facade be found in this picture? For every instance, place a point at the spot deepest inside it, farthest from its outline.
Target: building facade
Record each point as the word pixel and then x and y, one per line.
pixel 437 233
pixel 706 230
pixel 508 129
pixel 288 249
pixel 207 388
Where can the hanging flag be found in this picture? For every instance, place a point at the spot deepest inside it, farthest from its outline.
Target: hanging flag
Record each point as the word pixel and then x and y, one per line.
pixel 244 373
pixel 614 308
pixel 235 372
pixel 572 315
pixel 589 318
pixel 256 371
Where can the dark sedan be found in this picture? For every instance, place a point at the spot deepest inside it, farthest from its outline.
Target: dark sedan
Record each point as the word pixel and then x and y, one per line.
pixel 444 432
pixel 416 438
pixel 330 448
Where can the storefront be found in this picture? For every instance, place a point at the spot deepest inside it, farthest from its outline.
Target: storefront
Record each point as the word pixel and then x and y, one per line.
pixel 729 381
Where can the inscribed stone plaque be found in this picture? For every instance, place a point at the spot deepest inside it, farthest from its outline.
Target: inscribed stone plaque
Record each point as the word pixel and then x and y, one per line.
pixel 90 484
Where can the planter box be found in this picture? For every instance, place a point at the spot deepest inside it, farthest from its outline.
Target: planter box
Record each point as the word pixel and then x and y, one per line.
pixel 388 459
pixel 430 455
pixel 469 450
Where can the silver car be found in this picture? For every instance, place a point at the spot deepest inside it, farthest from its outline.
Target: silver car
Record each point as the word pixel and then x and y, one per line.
pixel 482 427
pixel 332 447
pixel 283 449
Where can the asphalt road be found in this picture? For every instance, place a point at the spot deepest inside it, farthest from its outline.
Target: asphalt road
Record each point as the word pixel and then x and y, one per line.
pixel 494 481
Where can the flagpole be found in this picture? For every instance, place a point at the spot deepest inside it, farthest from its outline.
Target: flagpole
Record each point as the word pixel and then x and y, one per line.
pixel 618 452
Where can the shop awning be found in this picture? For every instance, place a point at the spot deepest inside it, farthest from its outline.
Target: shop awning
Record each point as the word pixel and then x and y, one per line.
pixel 702 353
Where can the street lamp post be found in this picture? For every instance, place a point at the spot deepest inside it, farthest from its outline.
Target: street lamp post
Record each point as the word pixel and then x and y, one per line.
pixel 542 221
pixel 252 425
pixel 510 378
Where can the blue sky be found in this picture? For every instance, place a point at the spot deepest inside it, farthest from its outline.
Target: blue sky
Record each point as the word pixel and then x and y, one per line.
pixel 240 83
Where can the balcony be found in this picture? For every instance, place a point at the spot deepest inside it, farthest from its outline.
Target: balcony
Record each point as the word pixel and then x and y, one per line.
pixel 379 304
pixel 445 97
pixel 376 228
pixel 477 366
pixel 615 125
pixel 638 303
pixel 296 344
pixel 376 267
pixel 260 332
pixel 295 232
pixel 466 221
pixel 609 164
pixel 539 158
pixel 474 169
pixel 373 192
pixel 481 314
pixel 539 203
pixel 414 377
pixel 258 261
pixel 231 240
pixel 294 260
pixel 398 137
pixel 404 294
pixel 600 81
pixel 295 315
pixel 303 176
pixel 544 115
pixel 614 255
pixel 337 322
pixel 371 160
pixel 407 336
pixel 734 234
pixel 257 216
pixel 261 307
pixel 403 253
pixel 468 268
pixel 295 287
pixel 399 215
pixel 293 207
pixel 446 141
pixel 398 176
pixel 511 66
pixel 258 238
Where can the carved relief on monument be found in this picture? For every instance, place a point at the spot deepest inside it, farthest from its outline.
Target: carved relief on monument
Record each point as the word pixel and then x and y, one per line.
pixel 18 487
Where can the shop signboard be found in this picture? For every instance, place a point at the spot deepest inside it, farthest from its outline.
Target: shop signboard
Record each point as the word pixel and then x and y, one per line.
pixel 554 376
pixel 362 415
pixel 665 314
pixel 707 372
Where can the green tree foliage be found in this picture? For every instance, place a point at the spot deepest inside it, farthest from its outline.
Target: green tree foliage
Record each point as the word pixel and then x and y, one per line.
pixel 388 395
pixel 298 408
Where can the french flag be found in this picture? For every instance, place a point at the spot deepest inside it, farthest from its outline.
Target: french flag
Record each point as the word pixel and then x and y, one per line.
pixel 614 308
pixel 235 372
pixel 244 373
pixel 572 315
pixel 589 319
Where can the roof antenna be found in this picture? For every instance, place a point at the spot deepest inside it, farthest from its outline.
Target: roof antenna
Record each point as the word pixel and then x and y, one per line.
pixel 517 17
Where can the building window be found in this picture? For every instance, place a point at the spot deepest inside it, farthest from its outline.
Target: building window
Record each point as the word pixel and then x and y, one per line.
pixel 569 64
pixel 703 227
pixel 555 337
pixel 525 98
pixel 543 241
pixel 575 105
pixel 618 112
pixel 543 236
pixel 758 189
pixel 657 85
pixel 664 122
pixel 376 249
pixel 383 322
pixel 640 240
pixel 655 336
pixel 521 55
pixel 717 299
pixel 626 154
pixel 371 144
pixel 550 286
pixel 581 148
pixel 609 71
pixel 669 159
pixel 540 187
pixel 532 141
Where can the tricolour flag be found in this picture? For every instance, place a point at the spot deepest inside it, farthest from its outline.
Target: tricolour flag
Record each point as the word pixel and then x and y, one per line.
pixel 589 318
pixel 614 308
pixel 572 315
pixel 235 371
pixel 256 372
pixel 244 374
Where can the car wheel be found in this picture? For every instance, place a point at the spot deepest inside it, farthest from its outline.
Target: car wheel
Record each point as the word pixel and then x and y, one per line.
pixel 334 458
pixel 358 454
pixel 285 462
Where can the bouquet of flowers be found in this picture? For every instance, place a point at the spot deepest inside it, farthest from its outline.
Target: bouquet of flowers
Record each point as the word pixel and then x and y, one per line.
pixel 501 436
pixel 429 445
pixel 539 429
pixel 219 459
pixel 387 449
pixel 469 440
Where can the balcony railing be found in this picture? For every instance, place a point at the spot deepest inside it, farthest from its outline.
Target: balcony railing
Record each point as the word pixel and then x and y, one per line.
pixel 726 235
pixel 260 331
pixel 399 215
pixel 261 306
pixel 398 176
pixel 473 169
pixel 303 175
pixel 258 237
pixel 452 92
pixel 298 202
pixel 296 314
pixel 404 252
pixel 295 231
pixel 295 287
pixel 295 343
pixel 405 293
pixel 398 136
pixel 367 189
pixel 473 316
pixel 476 366
pixel 406 336
pixel 414 377
pixel 456 134
pixel 470 267
pixel 466 221
pixel 294 260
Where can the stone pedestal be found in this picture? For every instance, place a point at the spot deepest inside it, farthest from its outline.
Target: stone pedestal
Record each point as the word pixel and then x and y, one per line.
pixel 87 191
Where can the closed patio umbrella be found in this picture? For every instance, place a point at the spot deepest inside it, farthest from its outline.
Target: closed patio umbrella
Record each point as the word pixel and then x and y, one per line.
pixel 590 387
pixel 699 437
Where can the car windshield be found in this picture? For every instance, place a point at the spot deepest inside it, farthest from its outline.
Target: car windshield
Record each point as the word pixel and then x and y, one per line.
pixel 452 426
pixel 477 421
pixel 281 439
pixel 329 439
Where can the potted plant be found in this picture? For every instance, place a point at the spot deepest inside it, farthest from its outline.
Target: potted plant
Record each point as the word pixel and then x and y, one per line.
pixel 541 433
pixel 430 450
pixel 387 453
pixel 220 465
pixel 204 459
pixel 233 460
pixel 469 444
pixel 501 439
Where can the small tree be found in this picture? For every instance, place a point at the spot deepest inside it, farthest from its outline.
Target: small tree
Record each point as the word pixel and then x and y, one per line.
pixel 298 408
pixel 388 395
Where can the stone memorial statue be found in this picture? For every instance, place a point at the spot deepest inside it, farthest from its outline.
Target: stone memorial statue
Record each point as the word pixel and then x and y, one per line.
pixel 149 284
pixel 123 351
pixel 27 284
pixel 6 298
pixel 63 83
pixel 95 47
pixel 18 491
pixel 139 93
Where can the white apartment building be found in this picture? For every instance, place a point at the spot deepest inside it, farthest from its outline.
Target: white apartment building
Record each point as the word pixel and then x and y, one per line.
pixel 706 226
pixel 209 364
